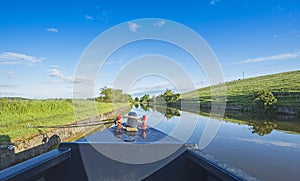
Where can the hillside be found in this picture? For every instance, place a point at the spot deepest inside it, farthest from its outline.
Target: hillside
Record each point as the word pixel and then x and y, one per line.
pixel 285 86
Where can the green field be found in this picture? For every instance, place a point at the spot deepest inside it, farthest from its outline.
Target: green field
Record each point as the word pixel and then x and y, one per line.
pixel 15 114
pixel 285 86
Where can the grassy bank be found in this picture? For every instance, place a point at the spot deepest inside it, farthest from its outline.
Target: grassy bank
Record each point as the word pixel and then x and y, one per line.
pixel 285 86
pixel 15 114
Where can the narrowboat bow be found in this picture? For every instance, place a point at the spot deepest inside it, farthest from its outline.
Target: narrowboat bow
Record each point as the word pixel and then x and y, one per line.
pixel 125 156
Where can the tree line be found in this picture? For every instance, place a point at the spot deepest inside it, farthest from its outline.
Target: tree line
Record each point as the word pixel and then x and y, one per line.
pixel 263 99
pixel 167 97
pixel 110 95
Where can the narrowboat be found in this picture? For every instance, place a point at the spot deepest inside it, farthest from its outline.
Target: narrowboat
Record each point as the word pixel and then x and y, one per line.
pixel 116 154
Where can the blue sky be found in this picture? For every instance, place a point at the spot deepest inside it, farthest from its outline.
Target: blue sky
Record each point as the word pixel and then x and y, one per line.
pixel 41 42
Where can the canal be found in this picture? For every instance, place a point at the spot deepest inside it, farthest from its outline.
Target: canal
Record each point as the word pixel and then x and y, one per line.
pixel 267 149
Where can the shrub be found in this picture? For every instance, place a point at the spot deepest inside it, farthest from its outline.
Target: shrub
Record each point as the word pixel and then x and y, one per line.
pixel 264 99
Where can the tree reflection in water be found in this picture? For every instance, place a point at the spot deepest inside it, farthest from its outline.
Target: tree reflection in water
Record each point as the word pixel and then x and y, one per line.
pixel 136 106
pixel 257 126
pixel 262 128
pixel 145 107
pixel 171 112
pixel 167 111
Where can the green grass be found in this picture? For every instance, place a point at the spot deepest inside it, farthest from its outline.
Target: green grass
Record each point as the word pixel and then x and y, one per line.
pixel 285 86
pixel 15 114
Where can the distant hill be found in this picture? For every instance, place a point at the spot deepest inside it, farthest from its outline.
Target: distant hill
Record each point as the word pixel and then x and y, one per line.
pixel 285 86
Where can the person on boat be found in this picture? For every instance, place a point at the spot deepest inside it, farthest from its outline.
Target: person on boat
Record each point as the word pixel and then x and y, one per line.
pixel 144 133
pixel 132 122
pixel 118 123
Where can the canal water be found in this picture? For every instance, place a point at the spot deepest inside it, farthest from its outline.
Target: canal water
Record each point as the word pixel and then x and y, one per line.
pixel 267 149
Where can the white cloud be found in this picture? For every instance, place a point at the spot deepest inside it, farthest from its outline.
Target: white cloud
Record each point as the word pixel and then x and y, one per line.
pixel 152 88
pixel 80 80
pixel 273 143
pixel 268 58
pixel 87 17
pixel 54 30
pixel 160 23
pixel 8 93
pixel 55 73
pixel 68 79
pixel 7 86
pixel 18 58
pixel 54 66
pixel 5 74
pixel 133 26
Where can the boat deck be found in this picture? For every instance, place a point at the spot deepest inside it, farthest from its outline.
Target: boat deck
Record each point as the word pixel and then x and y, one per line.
pixel 111 155
pixel 143 136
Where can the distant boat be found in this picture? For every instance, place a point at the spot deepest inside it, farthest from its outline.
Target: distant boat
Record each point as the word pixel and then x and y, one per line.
pixel 87 159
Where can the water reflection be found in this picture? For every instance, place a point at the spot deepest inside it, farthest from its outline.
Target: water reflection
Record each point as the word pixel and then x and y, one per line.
pixel 245 141
pixel 136 106
pixel 168 112
pixel 264 125
pixel 258 124
pixel 145 107
pixel 263 128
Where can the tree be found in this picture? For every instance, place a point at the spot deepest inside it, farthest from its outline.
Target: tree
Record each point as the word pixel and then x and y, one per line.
pixel 145 99
pixel 265 99
pixel 160 100
pixel 105 94
pixel 136 99
pixel 113 95
pixel 170 97
pixel 130 99
pixel 153 99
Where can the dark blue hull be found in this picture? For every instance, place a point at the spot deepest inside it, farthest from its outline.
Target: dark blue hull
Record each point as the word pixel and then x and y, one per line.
pixel 83 161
